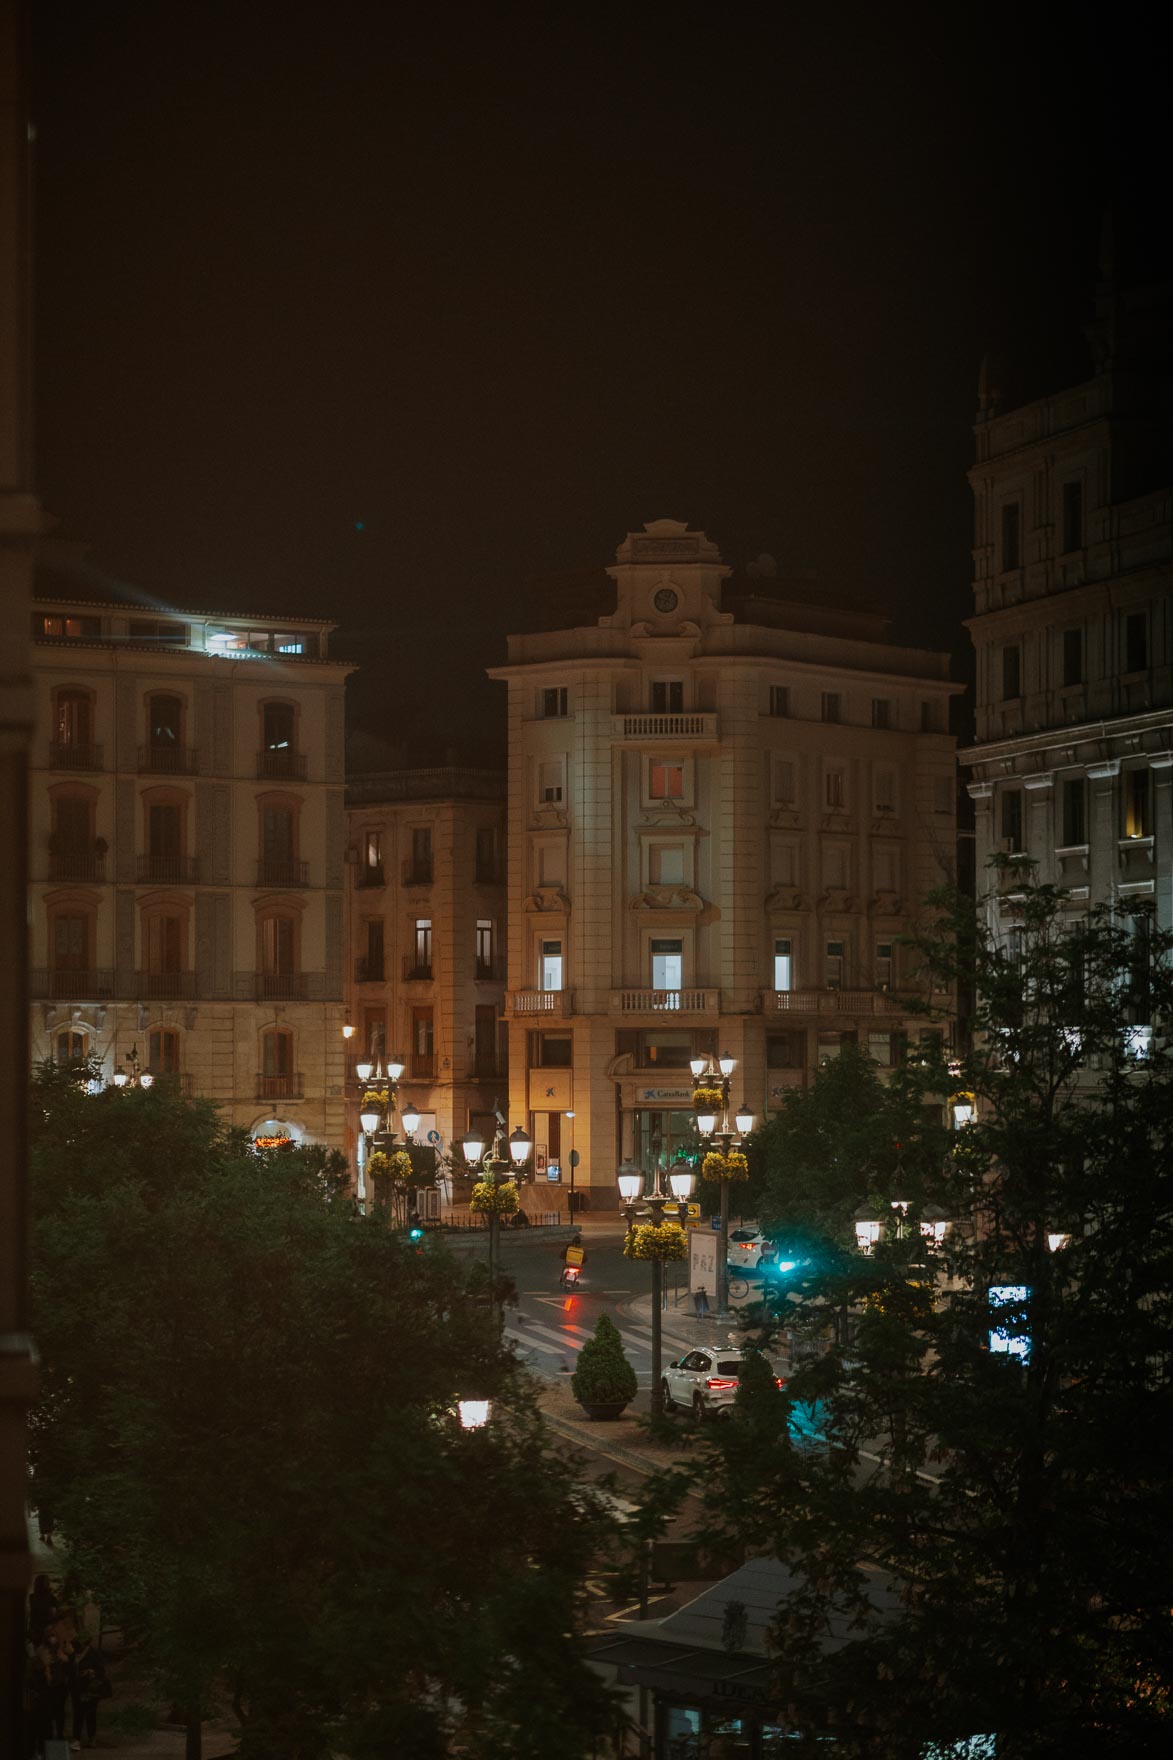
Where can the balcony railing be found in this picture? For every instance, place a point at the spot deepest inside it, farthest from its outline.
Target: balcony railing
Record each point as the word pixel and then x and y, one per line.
pixel 664 1001
pixel 166 986
pixel 831 1002
pixel 548 1002
pixel 73 986
pixel 169 760
pixel 64 755
pixel 489 874
pixel 174 1081
pixel 368 970
pixel 77 864
pixel 415 971
pixel 281 764
pixel 290 1086
pixel 417 873
pixel 691 726
pixel 281 986
pixel 423 1067
pixel 282 871
pixel 169 870
pixel 366 877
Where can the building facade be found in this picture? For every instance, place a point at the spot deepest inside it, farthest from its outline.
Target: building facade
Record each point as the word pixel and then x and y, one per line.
pixel 723 811
pixel 187 854
pixel 1073 587
pixel 426 942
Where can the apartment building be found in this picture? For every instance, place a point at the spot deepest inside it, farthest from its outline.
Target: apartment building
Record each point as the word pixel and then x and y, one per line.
pixel 724 807
pixel 426 941
pixel 187 845
pixel 1073 626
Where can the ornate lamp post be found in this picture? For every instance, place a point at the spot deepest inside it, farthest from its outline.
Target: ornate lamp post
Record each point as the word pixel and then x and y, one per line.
pixel 130 1074
pixel 496 1194
pixel 661 1238
pixel 380 1096
pixel 711 1099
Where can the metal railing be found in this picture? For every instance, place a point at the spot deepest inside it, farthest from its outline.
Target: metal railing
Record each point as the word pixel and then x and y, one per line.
pixel 64 755
pixel 548 1002
pixel 417 873
pixel 166 986
pixel 174 1081
pixel 422 1068
pixel 413 971
pixel 169 870
pixel 367 877
pixel 368 970
pixel 282 871
pixel 664 1001
pixel 279 763
pixel 290 1086
pixel 169 760
pixel 281 986
pixel 831 1002
pixel 77 864
pixel 75 986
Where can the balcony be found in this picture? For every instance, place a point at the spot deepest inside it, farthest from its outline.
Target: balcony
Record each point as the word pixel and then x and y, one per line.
pixel 691 727
pixel 77 864
pixel 281 765
pixel 665 1001
pixel 831 1002
pixel 417 873
pixel 415 972
pixel 290 1086
pixel 64 755
pixel 554 1004
pixel 172 1081
pixel 368 877
pixel 423 1066
pixel 282 871
pixel 165 986
pixel 169 870
pixel 368 970
pixel 280 986
pixel 168 760
pixel 72 986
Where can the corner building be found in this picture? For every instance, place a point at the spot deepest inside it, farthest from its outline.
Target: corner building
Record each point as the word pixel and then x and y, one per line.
pixel 1073 589
pixel 187 848
pixel 724 808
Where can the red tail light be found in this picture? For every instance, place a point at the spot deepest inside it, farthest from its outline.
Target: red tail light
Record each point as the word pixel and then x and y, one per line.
pixel 715 1382
pixel 778 1381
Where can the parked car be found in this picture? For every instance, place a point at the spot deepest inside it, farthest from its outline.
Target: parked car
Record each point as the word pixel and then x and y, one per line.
pixel 705 1381
pixel 745 1248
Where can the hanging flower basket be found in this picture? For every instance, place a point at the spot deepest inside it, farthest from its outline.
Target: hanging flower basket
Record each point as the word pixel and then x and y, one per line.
pixel 492 1200
pixel 398 1166
pixel 646 1241
pixel 707 1099
pixel 733 1166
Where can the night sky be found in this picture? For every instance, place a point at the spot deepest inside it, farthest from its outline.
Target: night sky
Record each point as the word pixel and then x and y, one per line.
pixel 405 315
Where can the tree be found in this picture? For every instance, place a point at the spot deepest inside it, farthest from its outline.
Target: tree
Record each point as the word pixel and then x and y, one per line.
pixel 986 1522
pixel 248 1435
pixel 603 1376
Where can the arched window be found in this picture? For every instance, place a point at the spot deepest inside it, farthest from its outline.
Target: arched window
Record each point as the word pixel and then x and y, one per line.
pixel 72 934
pixel 279 974
pixel 164 940
pixel 278 863
pixel 165 835
pixel 163 1049
pixel 69 1045
pixel 73 850
pixel 71 744
pixel 165 749
pixel 277 1079
pixel 279 755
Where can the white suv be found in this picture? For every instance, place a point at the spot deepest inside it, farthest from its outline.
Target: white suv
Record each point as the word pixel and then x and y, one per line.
pixel 705 1380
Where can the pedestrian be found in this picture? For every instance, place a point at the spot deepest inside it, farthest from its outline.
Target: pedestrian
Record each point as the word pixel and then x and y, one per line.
pixel 701 1303
pixel 42 1608
pixel 59 1675
pixel 91 1684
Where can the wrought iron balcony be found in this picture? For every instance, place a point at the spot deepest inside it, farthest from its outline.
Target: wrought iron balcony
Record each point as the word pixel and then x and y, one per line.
pixel 77 864
pixel 281 986
pixel 281 764
pixel 165 986
pixel 370 876
pixel 282 871
pixel 73 986
pixel 290 1086
pixel 168 870
pixel 417 873
pixel 65 755
pixel 368 970
pixel 169 760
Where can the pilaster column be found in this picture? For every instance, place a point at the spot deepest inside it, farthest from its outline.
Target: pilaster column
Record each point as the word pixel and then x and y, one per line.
pixel 1161 769
pixel 1101 830
pixel 1040 830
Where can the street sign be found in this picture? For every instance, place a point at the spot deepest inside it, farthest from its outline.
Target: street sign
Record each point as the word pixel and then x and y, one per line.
pixel 694 1215
pixel 716 1222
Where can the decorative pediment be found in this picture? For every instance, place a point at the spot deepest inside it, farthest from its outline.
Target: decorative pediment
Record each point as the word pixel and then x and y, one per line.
pixel 547 817
pixel 668 898
pixel 784 819
pixel 889 904
pixel 667 814
pixel 547 898
pixel 836 898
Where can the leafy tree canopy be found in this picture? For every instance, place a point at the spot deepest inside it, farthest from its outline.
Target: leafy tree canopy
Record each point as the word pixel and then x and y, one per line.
pixel 248 1435
pixel 981 1513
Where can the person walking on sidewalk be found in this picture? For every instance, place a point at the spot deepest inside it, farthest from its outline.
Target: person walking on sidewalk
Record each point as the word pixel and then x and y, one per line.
pixel 90 1685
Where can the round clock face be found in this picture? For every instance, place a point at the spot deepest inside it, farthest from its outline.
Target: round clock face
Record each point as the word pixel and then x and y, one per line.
pixel 665 600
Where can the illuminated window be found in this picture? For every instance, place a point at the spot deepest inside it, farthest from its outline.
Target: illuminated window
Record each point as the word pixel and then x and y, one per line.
pixel 72 628
pixel 73 718
pixel 484 947
pixel 665 781
pixel 550 965
pixel 1137 804
pixel 667 964
pixel 883 975
pixel 278 727
pixel 783 964
pixel 164 722
pixel 666 864
pixel 423 947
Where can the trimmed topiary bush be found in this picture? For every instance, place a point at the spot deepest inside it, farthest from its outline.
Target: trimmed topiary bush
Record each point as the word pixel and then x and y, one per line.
pixel 603 1378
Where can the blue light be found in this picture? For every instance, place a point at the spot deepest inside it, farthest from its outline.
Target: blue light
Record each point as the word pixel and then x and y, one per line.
pixel 360 525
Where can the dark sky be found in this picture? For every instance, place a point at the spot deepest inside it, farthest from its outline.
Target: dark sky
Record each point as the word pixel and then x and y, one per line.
pixel 393 313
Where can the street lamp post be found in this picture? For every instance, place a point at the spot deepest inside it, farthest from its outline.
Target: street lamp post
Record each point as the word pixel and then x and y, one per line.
pixel 130 1073
pixel 630 1187
pixel 712 1121
pixel 380 1097
pixel 496 1167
